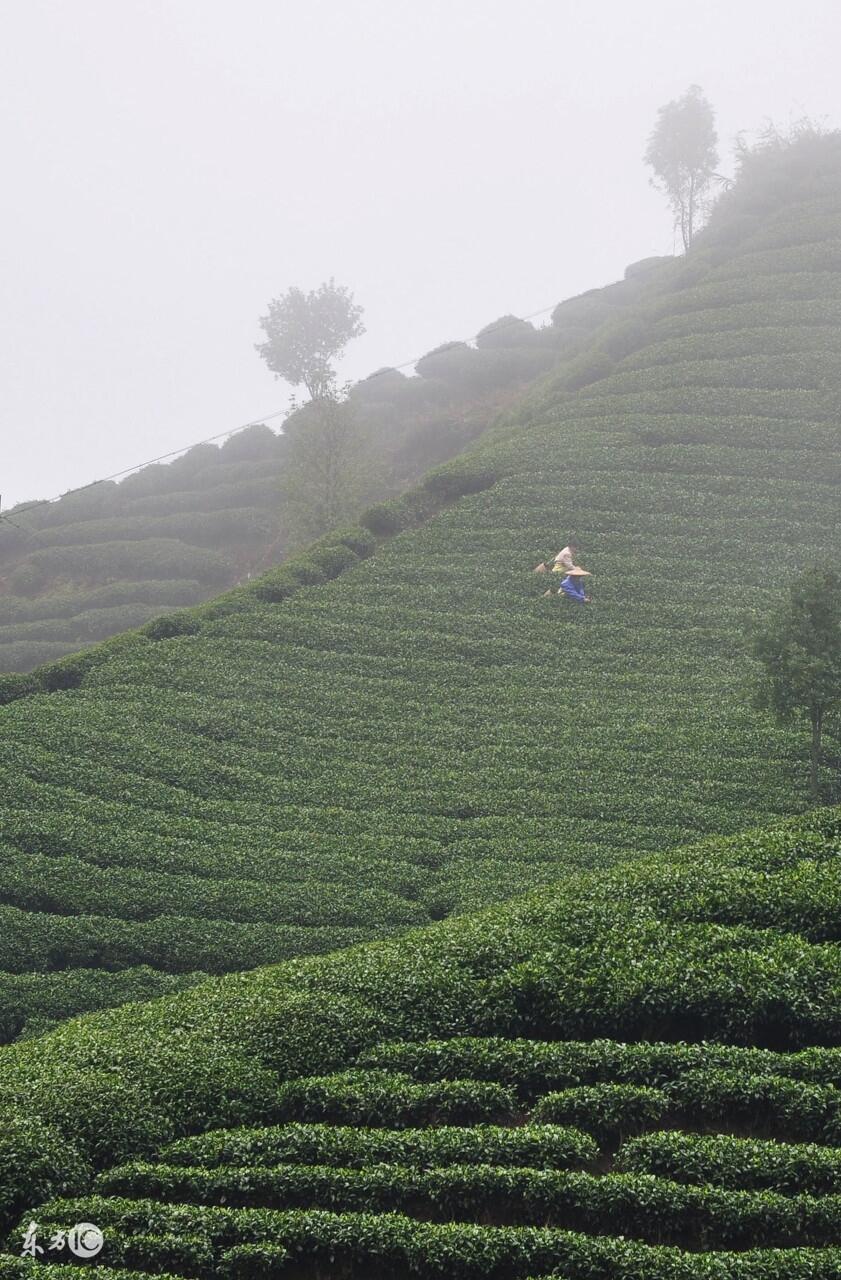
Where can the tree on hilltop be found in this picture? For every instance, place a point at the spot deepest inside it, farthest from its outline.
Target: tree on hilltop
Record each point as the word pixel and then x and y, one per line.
pixel 306 332
pixel 799 649
pixel 682 152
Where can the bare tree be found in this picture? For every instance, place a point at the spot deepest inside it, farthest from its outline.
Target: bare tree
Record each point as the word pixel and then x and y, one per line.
pixel 682 153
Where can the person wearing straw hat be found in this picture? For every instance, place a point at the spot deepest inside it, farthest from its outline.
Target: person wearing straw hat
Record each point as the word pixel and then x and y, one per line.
pixel 563 561
pixel 567 558
pixel 572 585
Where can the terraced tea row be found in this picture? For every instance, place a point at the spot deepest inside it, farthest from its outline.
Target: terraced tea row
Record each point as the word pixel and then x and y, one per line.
pixel 109 556
pixel 407 1107
pixel 424 732
pixel 633 1072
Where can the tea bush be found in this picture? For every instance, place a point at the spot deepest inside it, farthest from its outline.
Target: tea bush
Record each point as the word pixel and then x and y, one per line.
pixel 738 1163
pixel 379 731
pixel 381 742
pixel 438 1122
pixel 541 1146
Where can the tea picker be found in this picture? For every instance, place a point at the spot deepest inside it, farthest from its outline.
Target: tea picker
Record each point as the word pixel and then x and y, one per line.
pixel 572 585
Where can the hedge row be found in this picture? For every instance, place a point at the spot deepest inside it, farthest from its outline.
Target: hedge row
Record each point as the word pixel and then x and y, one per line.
pixel 214 529
pixel 153 557
pixel 67 604
pixel 803 371
pixel 390 1100
pixel 245 1242
pixel 33 942
pixel 700 1099
pixel 31 1003
pixel 446 975
pixel 85 827
pixel 610 1112
pixel 638 1206
pixel 67 886
pixel 540 1146
pixel 534 1067
pixel 81 628
pixel 324 560
pixel 696 981
pixel 769 340
pixel 736 1163
pixel 25 1269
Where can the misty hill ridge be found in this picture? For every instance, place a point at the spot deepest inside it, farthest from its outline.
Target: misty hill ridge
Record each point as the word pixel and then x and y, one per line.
pixel 113 556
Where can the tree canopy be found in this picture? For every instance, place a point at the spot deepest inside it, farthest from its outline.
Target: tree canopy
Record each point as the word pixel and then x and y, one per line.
pixel 682 152
pixel 799 649
pixel 307 332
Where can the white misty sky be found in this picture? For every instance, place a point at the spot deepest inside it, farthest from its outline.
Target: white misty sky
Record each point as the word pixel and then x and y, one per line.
pixel 170 165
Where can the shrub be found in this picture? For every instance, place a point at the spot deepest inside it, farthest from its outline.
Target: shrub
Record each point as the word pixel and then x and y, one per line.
pixel 172 624
pixel 450 362
pixel 385 518
pixel 391 517
pixel 506 332
pixel 453 480
pixel 13 687
pixel 391 1100
pixel 333 560
pixel 383 386
pixel 610 1112
pixel 69 672
pixel 542 1146
pixel 645 266
pixel 361 541
pixel 590 366
pixel 736 1163
pixel 274 586
pixel 37 1162
pixel 620 337
pixel 254 444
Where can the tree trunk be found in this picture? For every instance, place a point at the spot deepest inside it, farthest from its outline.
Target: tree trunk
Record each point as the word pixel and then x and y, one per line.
pixel 815 753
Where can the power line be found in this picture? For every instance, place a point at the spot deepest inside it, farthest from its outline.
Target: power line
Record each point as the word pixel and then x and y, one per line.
pixel 254 422
pixel 162 457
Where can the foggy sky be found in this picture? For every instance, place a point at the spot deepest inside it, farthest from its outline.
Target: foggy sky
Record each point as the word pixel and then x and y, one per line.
pixel 170 165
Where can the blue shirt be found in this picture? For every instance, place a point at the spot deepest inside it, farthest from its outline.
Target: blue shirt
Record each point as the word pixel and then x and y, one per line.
pixel 573 587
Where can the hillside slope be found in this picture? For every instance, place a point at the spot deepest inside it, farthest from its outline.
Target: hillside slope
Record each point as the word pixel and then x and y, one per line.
pixel 111 556
pixel 425 733
pixel 636 1073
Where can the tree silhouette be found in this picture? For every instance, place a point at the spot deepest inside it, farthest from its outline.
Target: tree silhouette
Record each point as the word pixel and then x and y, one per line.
pixel 682 153
pixel 306 332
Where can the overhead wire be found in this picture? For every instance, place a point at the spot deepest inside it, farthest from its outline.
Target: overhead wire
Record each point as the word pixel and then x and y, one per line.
pixel 253 422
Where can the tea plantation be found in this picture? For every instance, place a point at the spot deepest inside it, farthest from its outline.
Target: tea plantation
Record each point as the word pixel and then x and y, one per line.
pixel 397 725
pixel 633 1075
pixel 632 1070
pixel 113 555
